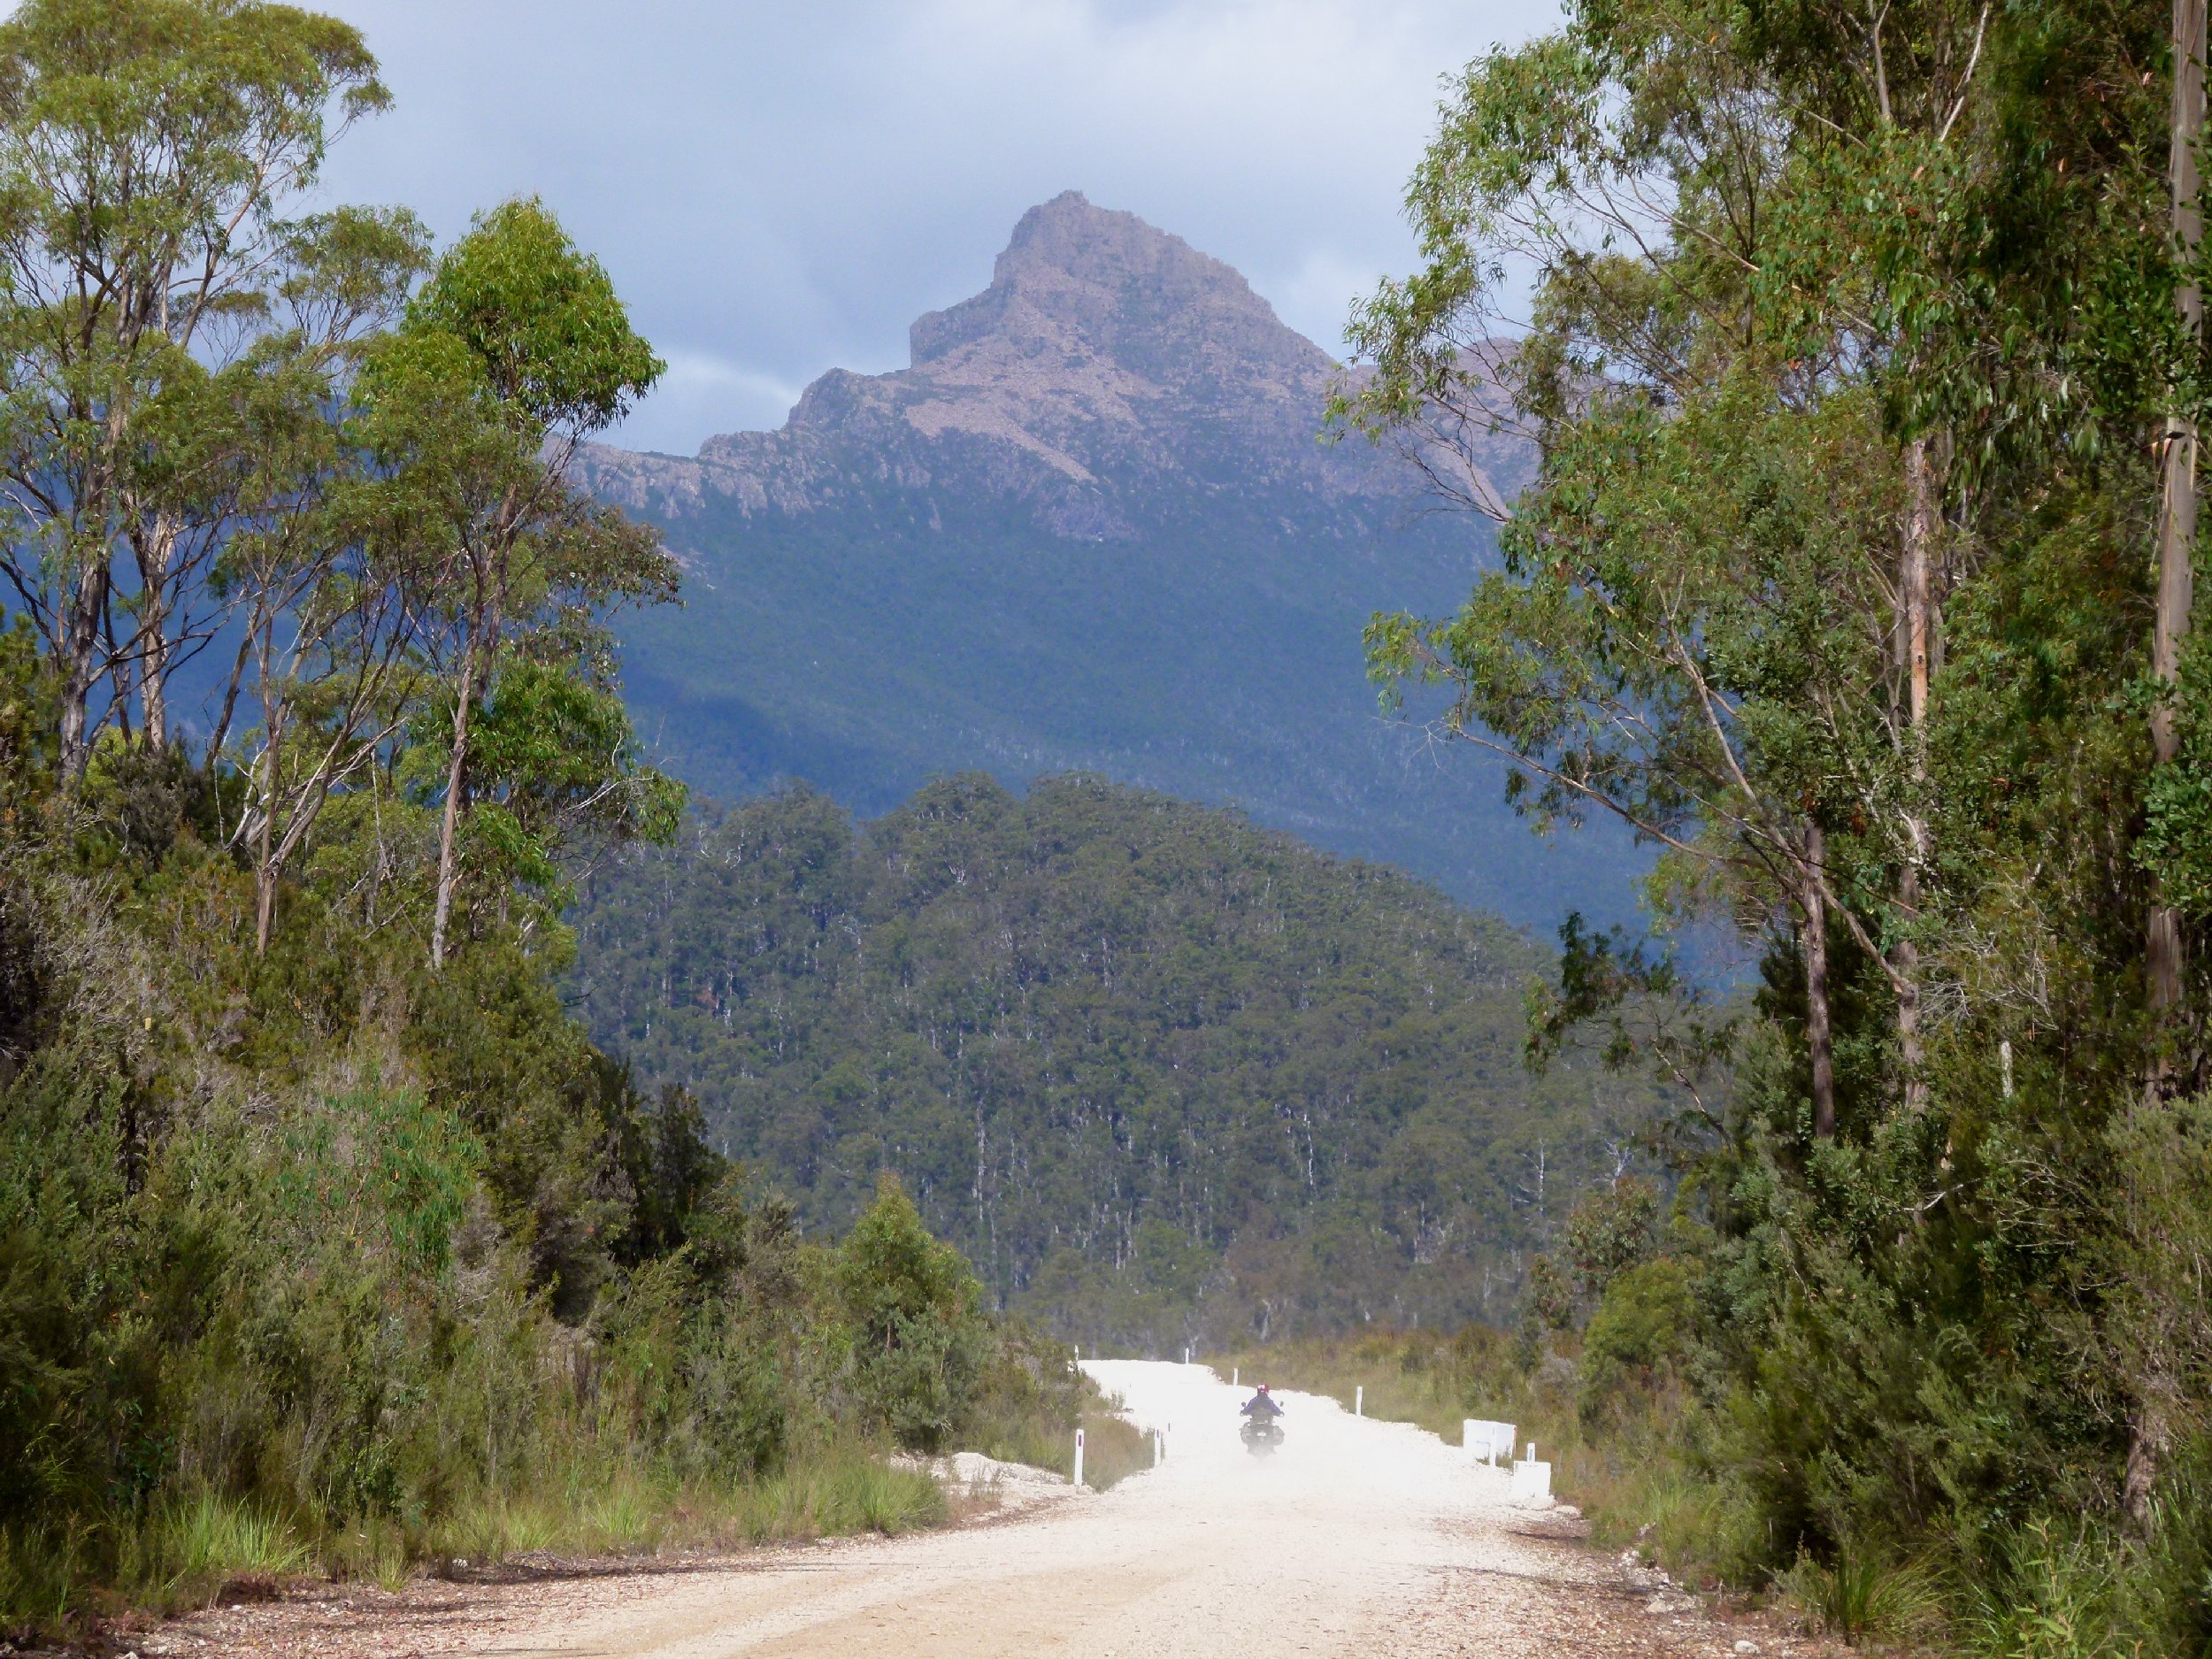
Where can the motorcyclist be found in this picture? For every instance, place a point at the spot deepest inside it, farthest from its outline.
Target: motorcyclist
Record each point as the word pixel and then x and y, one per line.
pixel 1261 1408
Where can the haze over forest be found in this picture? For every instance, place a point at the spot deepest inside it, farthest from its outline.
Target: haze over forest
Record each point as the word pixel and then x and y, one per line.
pixel 1094 527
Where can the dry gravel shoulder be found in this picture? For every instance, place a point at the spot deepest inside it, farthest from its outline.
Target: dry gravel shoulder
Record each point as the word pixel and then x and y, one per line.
pixel 1360 1538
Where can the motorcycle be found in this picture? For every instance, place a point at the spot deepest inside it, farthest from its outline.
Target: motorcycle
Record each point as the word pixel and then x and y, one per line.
pixel 1262 1435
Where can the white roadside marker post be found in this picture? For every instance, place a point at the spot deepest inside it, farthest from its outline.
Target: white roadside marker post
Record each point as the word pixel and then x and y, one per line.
pixel 1532 1480
pixel 1186 1357
pixel 1078 1458
pixel 1234 1371
pixel 1486 1441
pixel 1359 1401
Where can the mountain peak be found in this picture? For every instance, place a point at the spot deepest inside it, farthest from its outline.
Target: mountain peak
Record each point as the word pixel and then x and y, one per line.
pixel 1077 279
pixel 1069 236
pixel 1107 362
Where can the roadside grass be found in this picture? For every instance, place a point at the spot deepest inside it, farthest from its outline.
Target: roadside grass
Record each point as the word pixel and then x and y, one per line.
pixel 582 1493
pixel 1672 1517
pixel 190 1549
pixel 188 1554
pixel 1862 1598
pixel 44 1585
pixel 1114 1448
pixel 2057 1593
pixel 578 1497
pixel 181 1554
pixel 629 1511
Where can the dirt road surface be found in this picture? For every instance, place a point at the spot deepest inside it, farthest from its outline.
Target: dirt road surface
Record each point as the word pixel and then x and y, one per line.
pixel 1357 1537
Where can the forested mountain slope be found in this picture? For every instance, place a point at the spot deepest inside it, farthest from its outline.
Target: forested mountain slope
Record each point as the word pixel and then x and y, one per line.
pixel 1092 527
pixel 1155 1070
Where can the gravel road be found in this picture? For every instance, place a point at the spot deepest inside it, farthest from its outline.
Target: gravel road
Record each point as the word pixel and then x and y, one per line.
pixel 1357 1537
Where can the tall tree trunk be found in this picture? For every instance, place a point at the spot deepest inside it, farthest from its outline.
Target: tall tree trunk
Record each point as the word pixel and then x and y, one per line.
pixel 265 870
pixel 157 559
pixel 1915 598
pixel 450 824
pixel 80 641
pixel 2149 1426
pixel 264 857
pixel 1819 1038
pixel 2178 498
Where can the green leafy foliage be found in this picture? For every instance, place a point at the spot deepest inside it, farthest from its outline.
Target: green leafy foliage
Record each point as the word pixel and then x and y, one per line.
pixel 311 1253
pixel 1641 1324
pixel 1610 1231
pixel 540 321
pixel 915 1312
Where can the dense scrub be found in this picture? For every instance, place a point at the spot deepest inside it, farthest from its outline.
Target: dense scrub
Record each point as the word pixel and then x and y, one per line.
pixel 1163 1076
pixel 327 1258
pixel 315 1257
pixel 327 1237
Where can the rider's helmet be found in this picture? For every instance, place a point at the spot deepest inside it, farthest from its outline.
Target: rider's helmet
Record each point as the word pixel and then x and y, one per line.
pixel 1262 1388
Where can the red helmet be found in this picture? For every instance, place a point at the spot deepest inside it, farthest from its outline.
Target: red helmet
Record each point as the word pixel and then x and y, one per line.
pixel 1262 1388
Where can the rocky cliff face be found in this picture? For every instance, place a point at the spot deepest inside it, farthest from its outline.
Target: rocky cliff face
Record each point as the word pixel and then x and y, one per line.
pixel 1091 527
pixel 1107 363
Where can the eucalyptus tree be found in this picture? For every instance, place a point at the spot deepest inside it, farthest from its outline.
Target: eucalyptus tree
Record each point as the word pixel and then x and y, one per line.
pixel 328 593
pixel 1768 212
pixel 1691 637
pixel 1893 682
pixel 148 151
pixel 514 351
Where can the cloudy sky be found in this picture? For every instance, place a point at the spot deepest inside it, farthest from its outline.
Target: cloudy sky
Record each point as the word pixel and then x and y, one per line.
pixel 779 187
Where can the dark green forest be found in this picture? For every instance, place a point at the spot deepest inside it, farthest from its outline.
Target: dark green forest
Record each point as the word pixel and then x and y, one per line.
pixel 1165 1076
pixel 1214 656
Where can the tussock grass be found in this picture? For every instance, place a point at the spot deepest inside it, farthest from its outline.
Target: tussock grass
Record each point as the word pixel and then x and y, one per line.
pixel 850 1493
pixel 195 1545
pixel 1114 1448
pixel 2056 1592
pixel 181 1554
pixel 1861 1597
pixel 42 1582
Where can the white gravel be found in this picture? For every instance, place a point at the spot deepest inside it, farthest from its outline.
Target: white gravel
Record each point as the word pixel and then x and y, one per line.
pixel 1338 1544
pixel 1357 1537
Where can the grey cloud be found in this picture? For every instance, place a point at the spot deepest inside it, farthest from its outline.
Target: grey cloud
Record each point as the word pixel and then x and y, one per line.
pixel 781 189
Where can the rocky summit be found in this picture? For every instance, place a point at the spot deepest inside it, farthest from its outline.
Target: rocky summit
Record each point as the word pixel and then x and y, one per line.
pixel 1107 361
pixel 1093 527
